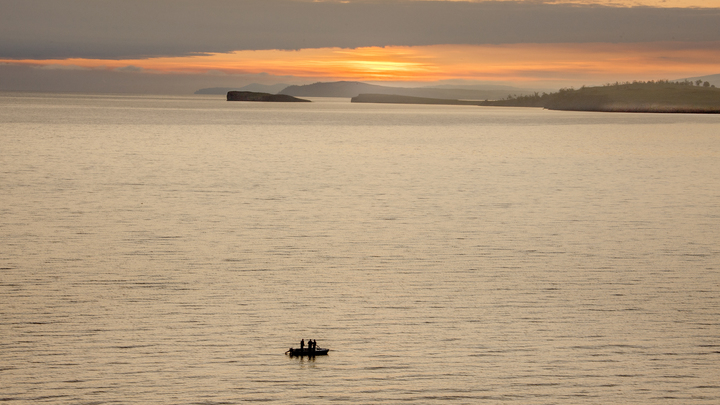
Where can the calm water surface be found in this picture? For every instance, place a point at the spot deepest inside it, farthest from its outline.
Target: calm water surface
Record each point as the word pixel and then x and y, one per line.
pixel 168 250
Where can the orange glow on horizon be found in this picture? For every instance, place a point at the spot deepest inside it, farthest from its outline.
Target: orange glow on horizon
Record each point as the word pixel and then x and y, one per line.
pixel 514 62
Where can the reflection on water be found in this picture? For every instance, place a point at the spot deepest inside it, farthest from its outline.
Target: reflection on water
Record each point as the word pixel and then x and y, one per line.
pixel 171 249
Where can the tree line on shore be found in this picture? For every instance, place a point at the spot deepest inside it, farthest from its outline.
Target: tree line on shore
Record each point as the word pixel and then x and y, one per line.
pixel 650 96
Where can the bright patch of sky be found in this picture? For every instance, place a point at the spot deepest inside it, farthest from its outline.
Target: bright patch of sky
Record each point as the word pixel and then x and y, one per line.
pixel 555 41
pixel 547 63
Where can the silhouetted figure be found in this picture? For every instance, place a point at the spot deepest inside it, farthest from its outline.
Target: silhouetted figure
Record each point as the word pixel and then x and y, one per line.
pixel 311 350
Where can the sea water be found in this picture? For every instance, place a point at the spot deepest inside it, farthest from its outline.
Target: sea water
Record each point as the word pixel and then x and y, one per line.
pixel 169 250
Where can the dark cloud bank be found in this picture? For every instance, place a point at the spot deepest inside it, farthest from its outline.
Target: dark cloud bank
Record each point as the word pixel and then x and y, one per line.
pixel 120 29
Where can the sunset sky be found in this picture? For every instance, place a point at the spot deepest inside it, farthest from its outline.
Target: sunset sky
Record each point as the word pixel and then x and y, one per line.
pixel 169 46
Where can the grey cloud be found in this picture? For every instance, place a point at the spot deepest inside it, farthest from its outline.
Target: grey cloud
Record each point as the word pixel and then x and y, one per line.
pixel 15 77
pixel 119 29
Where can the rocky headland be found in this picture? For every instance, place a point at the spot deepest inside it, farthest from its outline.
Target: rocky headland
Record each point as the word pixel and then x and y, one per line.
pixel 253 96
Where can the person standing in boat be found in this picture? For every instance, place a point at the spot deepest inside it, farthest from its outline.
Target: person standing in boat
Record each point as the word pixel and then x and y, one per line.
pixel 302 345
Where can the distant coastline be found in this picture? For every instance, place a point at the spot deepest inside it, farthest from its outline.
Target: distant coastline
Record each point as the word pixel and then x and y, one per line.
pixel 353 89
pixel 647 97
pixel 399 99
pixel 346 89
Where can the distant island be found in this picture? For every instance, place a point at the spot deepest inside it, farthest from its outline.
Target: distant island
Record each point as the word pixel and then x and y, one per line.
pixel 649 97
pixel 352 89
pixel 253 96
pixel 347 89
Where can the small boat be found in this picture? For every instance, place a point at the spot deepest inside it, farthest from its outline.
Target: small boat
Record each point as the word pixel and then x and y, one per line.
pixel 319 351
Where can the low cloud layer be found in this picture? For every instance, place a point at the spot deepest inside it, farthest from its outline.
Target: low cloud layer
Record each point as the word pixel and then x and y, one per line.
pixel 127 29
